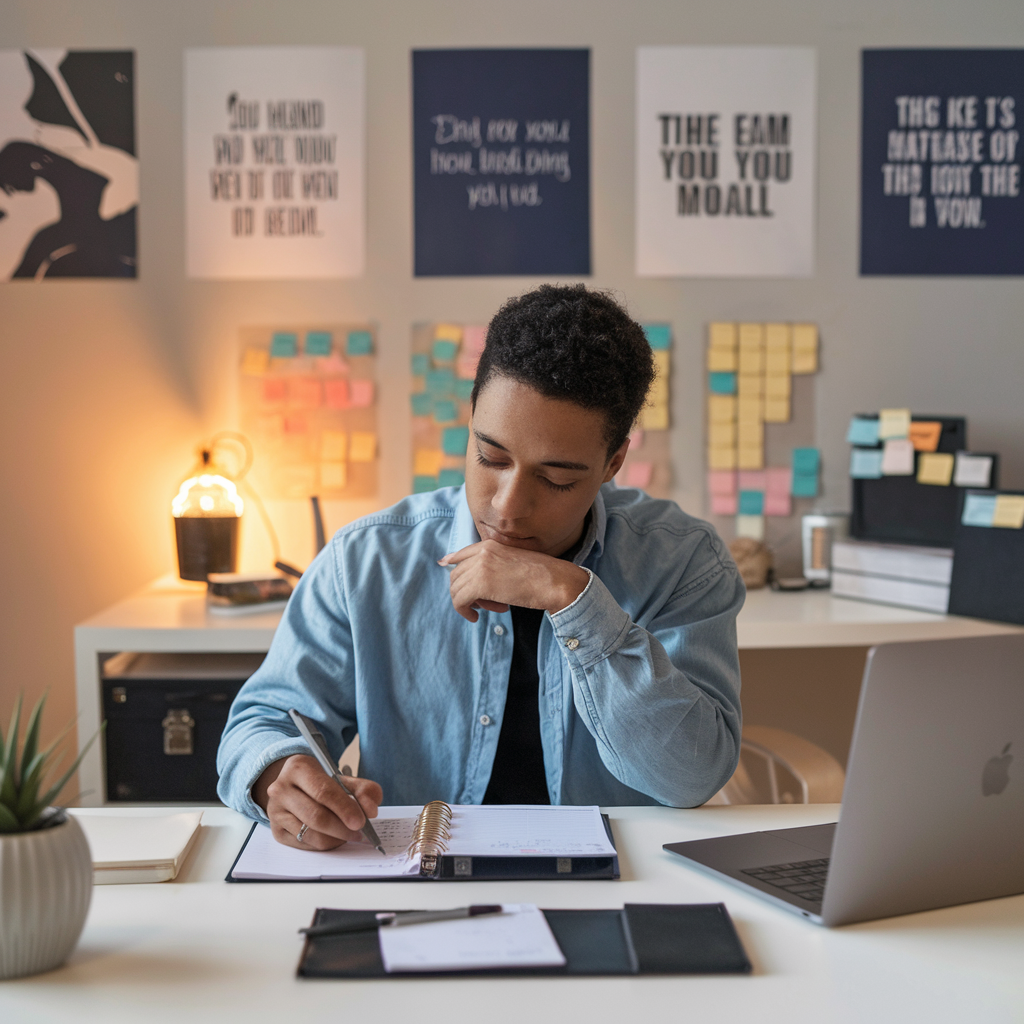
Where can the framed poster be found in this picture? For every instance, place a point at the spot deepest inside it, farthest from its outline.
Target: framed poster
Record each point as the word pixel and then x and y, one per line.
pixel 940 162
pixel 274 162
pixel 725 161
pixel 501 162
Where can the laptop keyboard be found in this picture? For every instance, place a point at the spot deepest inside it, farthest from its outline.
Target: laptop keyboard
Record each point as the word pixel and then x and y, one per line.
pixel 805 878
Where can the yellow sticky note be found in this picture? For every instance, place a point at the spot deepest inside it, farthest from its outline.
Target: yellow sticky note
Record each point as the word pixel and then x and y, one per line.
pixel 749 385
pixel 722 360
pixel 804 362
pixel 751 336
pixel 334 446
pixel 777 386
pixel 750 458
pixel 654 417
pixel 721 408
pixel 662 362
pixel 750 435
pixel 935 468
pixel 776 410
pixel 722 335
pixel 448 332
pixel 777 361
pixel 777 337
pixel 721 458
pixel 364 446
pixel 1009 511
pixel 333 475
pixel 751 361
pixel 805 337
pixel 427 462
pixel 658 395
pixel 722 435
pixel 255 361
pixel 893 423
pixel 750 410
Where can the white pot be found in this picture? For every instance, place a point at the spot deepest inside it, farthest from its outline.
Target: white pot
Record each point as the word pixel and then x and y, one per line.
pixel 45 890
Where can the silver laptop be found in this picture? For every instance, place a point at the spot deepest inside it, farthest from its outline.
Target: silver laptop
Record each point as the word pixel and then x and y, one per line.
pixel 933 807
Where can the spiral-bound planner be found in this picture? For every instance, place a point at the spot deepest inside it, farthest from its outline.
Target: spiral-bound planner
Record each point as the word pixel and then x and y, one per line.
pixel 451 842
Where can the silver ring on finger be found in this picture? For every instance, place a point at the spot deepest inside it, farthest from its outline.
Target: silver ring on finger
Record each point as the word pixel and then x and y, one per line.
pixel 301 833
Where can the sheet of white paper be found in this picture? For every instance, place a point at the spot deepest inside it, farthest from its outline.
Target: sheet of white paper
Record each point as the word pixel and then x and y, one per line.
pixel 528 830
pixel 518 937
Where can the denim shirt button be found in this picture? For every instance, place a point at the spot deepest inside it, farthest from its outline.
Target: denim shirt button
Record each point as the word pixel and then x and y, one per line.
pixel 572 643
pixel 485 719
pixel 499 630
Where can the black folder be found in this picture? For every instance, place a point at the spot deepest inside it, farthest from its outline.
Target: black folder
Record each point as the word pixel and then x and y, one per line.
pixel 642 938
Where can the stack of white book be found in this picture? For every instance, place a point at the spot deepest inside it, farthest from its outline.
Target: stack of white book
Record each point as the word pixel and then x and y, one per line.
pixel 911 577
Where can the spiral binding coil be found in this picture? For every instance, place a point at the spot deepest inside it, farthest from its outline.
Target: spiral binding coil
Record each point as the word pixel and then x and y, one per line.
pixel 430 836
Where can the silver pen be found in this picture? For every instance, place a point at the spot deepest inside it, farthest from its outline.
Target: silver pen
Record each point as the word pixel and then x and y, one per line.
pixel 311 734
pixel 398 920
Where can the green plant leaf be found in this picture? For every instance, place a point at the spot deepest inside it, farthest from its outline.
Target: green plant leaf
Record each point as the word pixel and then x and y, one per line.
pixel 54 791
pixel 41 764
pixel 9 782
pixel 31 744
pixel 8 822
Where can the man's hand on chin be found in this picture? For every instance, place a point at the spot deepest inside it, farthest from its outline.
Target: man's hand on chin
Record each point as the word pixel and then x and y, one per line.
pixel 493 576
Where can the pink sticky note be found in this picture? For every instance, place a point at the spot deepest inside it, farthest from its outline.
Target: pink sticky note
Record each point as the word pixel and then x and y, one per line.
pixel 723 504
pixel 722 481
pixel 636 439
pixel 778 505
pixel 305 392
pixel 337 393
pixel 295 423
pixel 638 474
pixel 331 364
pixel 779 482
pixel 752 480
pixel 474 338
pixel 466 366
pixel 275 389
pixel 361 392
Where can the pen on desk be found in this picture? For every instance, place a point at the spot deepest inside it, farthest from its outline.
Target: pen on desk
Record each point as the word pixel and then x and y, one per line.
pixel 397 920
pixel 309 732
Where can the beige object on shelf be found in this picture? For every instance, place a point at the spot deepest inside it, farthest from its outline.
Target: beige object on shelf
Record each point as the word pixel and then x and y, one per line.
pixel 752 559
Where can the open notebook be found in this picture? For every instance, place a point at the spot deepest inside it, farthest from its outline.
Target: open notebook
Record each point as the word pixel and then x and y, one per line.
pixel 492 841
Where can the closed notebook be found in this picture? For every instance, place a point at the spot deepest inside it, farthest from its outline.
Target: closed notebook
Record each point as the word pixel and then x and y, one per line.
pixel 457 842
pixel 139 849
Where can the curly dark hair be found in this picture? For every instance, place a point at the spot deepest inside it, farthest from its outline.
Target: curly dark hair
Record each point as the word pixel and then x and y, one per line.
pixel 576 344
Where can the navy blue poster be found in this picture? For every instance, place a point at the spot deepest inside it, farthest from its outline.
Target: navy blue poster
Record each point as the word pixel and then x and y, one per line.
pixel 501 151
pixel 940 162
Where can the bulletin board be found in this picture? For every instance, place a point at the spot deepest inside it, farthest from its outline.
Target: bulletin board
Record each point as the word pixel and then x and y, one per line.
pixel 307 396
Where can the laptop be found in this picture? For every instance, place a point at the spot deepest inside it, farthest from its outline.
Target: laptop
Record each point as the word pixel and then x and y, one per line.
pixel 933 807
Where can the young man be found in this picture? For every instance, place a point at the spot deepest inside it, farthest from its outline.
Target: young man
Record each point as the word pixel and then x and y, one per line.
pixel 535 636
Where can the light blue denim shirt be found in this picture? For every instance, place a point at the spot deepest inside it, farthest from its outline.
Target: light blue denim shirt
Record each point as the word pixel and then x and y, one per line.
pixel 639 677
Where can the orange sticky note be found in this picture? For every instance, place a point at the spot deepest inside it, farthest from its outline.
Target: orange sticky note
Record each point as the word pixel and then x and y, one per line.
pixel 925 435
pixel 275 389
pixel 333 445
pixel 361 393
pixel 427 462
pixel 295 423
pixel 337 393
pixel 255 361
pixel 448 332
pixel 305 392
pixel 363 447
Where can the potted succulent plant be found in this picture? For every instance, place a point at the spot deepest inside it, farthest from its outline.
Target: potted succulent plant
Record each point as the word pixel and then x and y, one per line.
pixel 45 865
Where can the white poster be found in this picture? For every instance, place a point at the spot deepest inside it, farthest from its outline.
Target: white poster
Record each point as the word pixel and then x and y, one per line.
pixel 274 162
pixel 725 161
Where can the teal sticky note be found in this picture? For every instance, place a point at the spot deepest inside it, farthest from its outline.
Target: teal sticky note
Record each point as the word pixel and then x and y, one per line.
pixel 806 461
pixel 863 431
pixel 455 440
pixel 659 336
pixel 751 503
pixel 360 343
pixel 464 389
pixel 284 345
pixel 445 411
pixel 422 404
pixel 722 383
pixel 450 478
pixel 866 463
pixel 420 364
pixel 422 484
pixel 805 485
pixel 441 383
pixel 979 510
pixel 318 343
pixel 444 351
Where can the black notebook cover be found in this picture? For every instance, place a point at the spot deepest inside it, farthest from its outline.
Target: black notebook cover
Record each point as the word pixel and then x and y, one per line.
pixel 642 938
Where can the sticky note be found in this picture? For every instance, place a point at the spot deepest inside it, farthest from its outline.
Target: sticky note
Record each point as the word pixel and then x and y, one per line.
pixel 863 430
pixel 805 485
pixel 972 470
pixel 750 435
pixel 333 475
pixel 804 362
pixel 474 338
pixel 275 389
pixel 776 410
pixel 427 462
pixel 777 362
pixel 979 510
pixel 440 383
pixel 722 335
pixel 463 389
pixel 777 338
pixel 804 337
pixel 295 423
pixel 750 410
pixel 638 474
pixel 255 361
pixel 777 386
pixel 654 417
pixel 751 503
pixel 636 439
pixel 722 435
pixel 753 480
pixel 935 468
pixel 451 478
pixel 723 504
pixel 332 364
pixel 659 336
pixel 445 411
pixel 423 484
pixel 750 458
pixel 284 345
pixel 722 360
pixel 866 463
pixel 305 392
pixel 455 440
pixel 721 458
pixel 333 446
pixel 1009 511
pixel 751 336
pixel 893 423
pixel 722 383
pixel 778 505
pixel 318 343
pixel 422 404
pixel 806 460
pixel 448 332
pixel 721 482
pixel 751 360
pixel 721 408
pixel 898 457
pixel 444 351
pixel 359 343
pixel 750 526
pixel 658 395
pixel 466 366
pixel 420 363
pixel 360 393
pixel 778 480
pixel 662 363
pixel 750 385
pixel 925 435
pixel 336 393
pixel 363 447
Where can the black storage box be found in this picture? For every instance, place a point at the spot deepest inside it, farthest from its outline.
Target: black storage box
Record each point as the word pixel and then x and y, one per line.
pixel 165 714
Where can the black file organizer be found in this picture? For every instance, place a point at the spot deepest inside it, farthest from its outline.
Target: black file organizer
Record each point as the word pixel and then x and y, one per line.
pixel 642 938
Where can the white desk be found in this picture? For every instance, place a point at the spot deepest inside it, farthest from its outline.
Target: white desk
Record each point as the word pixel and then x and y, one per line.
pixel 199 949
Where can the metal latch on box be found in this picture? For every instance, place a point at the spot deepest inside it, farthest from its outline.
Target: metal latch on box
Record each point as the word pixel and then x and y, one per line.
pixel 178 725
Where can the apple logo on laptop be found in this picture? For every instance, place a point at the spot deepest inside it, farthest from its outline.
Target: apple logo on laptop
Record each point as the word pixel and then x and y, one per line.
pixel 996 776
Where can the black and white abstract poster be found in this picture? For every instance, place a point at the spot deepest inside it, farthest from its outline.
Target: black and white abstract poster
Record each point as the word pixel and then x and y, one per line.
pixel 69 175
